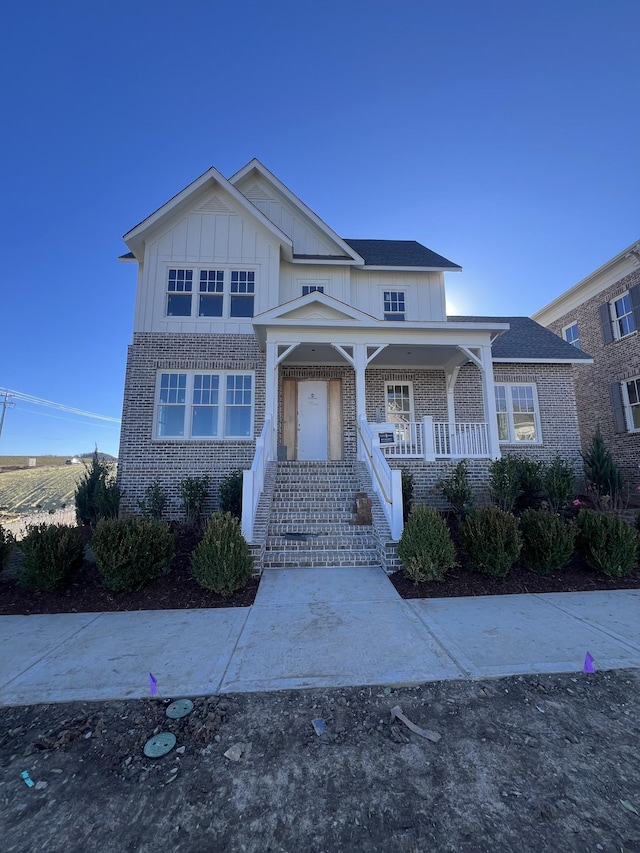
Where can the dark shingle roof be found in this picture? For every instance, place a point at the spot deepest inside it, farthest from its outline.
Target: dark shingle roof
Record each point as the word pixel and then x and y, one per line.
pixel 527 339
pixel 398 253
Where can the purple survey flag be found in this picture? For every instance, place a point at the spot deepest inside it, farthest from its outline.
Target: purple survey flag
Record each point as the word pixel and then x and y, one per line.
pixel 588 664
pixel 153 685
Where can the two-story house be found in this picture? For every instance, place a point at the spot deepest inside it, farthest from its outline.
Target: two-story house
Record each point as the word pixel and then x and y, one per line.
pixel 320 366
pixel 601 314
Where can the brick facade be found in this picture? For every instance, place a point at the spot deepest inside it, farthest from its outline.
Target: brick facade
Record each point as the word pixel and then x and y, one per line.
pixel 612 362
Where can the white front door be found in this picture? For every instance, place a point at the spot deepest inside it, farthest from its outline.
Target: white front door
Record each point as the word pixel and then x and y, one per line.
pixel 312 419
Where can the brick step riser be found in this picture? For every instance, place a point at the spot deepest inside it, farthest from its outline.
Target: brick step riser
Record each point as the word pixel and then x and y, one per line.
pixel 278 543
pixel 317 559
pixel 332 528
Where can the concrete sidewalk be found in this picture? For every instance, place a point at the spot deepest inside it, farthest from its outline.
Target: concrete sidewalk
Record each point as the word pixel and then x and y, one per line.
pixel 313 628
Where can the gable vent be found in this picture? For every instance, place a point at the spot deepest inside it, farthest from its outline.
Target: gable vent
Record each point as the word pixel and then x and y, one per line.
pixel 215 205
pixel 256 192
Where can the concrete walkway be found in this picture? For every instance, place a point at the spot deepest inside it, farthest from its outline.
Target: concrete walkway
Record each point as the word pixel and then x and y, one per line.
pixel 313 628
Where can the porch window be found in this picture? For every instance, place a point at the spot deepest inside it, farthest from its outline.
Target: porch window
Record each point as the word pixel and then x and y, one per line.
pixel 196 405
pixel 394 305
pixel 517 413
pixel 400 408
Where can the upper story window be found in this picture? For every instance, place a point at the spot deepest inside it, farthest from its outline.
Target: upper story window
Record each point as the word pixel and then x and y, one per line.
pixel 193 405
pixel 394 305
pixel 631 398
pixel 622 316
pixel 572 335
pixel 517 413
pixel 312 288
pixel 222 293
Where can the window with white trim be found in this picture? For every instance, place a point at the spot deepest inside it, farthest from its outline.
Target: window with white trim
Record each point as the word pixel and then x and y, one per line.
pixel 572 335
pixel 622 316
pixel 394 305
pixel 312 288
pixel 399 408
pixel 197 405
pixel 221 292
pixel 631 400
pixel 517 413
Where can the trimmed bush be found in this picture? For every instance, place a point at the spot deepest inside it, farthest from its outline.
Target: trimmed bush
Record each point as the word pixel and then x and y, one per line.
pixel 51 555
pixel 193 494
pixel 154 501
pixel 559 484
pixel 231 493
pixel 457 490
pixel 491 539
pixel 426 549
pixel 407 493
pixel 607 543
pixel 6 546
pixel 504 482
pixel 97 494
pixel 222 561
pixel 131 552
pixel 547 541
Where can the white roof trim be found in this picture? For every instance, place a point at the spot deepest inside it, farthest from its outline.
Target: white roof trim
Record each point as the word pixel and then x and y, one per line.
pixel 275 314
pixel 410 269
pixel 542 360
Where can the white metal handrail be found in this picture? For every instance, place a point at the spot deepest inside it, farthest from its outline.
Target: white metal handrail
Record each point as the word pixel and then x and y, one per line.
pixel 386 482
pixel 253 479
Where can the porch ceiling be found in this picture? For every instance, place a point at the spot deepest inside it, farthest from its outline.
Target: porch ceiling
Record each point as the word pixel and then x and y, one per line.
pixel 393 356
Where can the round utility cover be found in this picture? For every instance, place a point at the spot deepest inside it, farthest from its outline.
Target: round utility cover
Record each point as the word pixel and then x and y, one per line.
pixel 179 708
pixel 159 745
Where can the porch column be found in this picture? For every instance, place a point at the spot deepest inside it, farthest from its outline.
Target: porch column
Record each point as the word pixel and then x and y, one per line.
pixel 489 400
pixel 451 376
pixel 271 394
pixel 360 365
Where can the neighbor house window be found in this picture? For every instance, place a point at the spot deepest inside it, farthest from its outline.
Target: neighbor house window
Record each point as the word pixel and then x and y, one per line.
pixel 312 288
pixel 242 290
pixel 517 413
pixel 571 335
pixel 622 316
pixel 179 293
pixel 394 306
pixel 631 399
pixel 195 405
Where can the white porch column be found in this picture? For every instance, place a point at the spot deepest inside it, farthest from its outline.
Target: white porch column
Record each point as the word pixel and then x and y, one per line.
pixel 489 400
pixel 360 365
pixel 271 394
pixel 451 377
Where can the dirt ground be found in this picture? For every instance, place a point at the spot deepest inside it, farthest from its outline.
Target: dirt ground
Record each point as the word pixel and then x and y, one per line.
pixel 523 763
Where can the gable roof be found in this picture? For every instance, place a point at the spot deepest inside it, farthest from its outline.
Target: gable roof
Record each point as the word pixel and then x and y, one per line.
pixel 527 340
pixel 399 253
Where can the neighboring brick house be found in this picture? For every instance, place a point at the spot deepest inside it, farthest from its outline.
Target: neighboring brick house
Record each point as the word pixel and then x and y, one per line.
pixel 601 314
pixel 261 335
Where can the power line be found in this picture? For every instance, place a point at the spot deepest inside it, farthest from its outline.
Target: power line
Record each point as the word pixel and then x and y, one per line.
pixel 39 401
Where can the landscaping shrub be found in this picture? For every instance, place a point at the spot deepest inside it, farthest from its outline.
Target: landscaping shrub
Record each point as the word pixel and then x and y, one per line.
pixel 547 541
pixel 6 546
pixel 51 555
pixel 607 543
pixel 131 552
pixel 559 484
pixel 193 494
pixel 604 479
pixel 222 561
pixel 456 489
pixel 504 482
pixel 491 539
pixel 530 482
pixel 407 494
pixel 426 549
pixel 97 494
pixel 231 493
pixel 154 501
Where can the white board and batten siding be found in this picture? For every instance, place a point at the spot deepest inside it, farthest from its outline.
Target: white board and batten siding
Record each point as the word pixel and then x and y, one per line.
pixel 335 280
pixel 424 293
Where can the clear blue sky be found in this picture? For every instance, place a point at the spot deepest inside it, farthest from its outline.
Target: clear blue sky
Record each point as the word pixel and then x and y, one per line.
pixel 505 136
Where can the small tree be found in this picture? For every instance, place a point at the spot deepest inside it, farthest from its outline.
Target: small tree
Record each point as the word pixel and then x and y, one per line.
pixel 193 494
pixel 504 482
pixel 407 493
pixel 603 476
pixel 154 501
pixel 231 493
pixel 6 546
pixel 97 494
pixel 456 489
pixel 559 483
pixel 531 481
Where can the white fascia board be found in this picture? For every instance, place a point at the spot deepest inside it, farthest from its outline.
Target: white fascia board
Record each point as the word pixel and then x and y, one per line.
pixel 542 360
pixel 409 269
pixel 342 262
pixel 135 238
pixel 297 202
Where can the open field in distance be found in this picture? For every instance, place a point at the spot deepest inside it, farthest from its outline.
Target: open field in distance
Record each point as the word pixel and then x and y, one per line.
pixel 40 489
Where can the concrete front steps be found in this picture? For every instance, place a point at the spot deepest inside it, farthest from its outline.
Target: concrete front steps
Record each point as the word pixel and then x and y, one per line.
pixel 310 510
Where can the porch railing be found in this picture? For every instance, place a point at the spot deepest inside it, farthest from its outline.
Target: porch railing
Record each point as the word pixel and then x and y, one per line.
pixel 386 482
pixel 429 439
pixel 253 479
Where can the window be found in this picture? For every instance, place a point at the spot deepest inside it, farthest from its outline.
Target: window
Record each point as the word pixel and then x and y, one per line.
pixel 312 288
pixel 242 290
pixel 394 308
pixel 179 293
pixel 517 413
pixel 631 399
pixel 221 293
pixel 571 334
pixel 205 405
pixel 622 316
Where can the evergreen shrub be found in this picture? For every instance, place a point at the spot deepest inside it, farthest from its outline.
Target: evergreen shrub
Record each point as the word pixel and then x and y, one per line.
pixel 154 501
pixel 456 489
pixel 491 539
pixel 559 483
pixel 504 482
pixel 425 548
pixel 193 494
pixel 222 561
pixel 547 541
pixel 231 493
pixel 604 479
pixel 97 494
pixel 531 475
pixel 408 484
pixel 131 552
pixel 6 546
pixel 51 555
pixel 608 543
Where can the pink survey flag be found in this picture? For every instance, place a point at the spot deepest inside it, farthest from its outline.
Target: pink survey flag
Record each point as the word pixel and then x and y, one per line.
pixel 588 664
pixel 153 685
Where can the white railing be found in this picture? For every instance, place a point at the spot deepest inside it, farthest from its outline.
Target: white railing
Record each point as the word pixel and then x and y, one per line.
pixel 253 479
pixel 386 483
pixel 408 441
pixel 438 439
